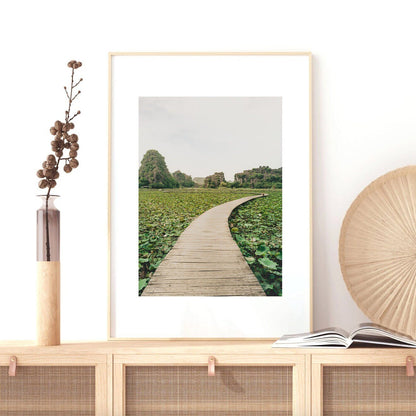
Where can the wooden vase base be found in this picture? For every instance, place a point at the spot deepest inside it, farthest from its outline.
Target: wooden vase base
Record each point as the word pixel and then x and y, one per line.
pixel 48 303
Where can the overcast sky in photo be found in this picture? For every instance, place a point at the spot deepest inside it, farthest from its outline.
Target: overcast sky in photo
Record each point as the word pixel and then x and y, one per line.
pixel 203 135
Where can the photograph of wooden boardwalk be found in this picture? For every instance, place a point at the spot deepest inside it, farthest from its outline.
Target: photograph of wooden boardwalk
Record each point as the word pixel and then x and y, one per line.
pixel 206 261
pixel 210 196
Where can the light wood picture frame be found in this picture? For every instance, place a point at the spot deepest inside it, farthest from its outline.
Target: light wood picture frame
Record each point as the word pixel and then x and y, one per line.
pixel 226 74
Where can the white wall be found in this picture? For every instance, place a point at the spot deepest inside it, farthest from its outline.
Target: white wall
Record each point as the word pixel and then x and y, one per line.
pixel 364 124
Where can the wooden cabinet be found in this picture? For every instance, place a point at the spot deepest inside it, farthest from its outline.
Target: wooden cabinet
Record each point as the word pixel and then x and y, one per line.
pixel 243 384
pixel 373 382
pixel 53 384
pixel 171 378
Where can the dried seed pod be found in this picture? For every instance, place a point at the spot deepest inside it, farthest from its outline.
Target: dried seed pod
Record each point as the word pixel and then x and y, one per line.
pixel 49 173
pixel 73 163
pixel 62 140
pixel 67 168
pixel 51 159
pixel 43 184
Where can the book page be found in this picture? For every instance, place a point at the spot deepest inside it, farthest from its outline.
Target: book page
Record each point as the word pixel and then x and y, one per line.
pixel 316 334
pixel 376 334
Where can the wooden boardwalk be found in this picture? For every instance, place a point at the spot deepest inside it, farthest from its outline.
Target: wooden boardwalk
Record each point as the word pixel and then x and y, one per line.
pixel 206 261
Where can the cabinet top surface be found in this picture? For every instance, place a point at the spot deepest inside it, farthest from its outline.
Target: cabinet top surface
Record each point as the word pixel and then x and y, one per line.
pixel 154 347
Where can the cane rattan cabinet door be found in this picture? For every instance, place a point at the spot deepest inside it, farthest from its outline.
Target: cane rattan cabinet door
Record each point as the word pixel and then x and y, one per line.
pixel 173 389
pixel 370 385
pixel 52 386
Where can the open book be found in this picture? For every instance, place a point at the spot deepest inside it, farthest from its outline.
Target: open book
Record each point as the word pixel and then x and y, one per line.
pixel 367 333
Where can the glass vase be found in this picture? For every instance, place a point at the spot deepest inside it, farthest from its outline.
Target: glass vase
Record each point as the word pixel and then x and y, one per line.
pixel 48 230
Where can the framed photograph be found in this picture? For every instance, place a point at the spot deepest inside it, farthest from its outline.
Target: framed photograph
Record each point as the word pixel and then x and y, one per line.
pixel 209 195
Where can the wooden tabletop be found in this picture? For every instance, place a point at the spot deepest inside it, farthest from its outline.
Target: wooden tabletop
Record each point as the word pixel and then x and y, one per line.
pixel 184 346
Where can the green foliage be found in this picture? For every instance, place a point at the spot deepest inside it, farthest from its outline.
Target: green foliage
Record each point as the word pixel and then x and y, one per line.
pixel 261 250
pixel 153 172
pixel 164 214
pixel 257 228
pixel 261 177
pixel 183 180
pixel 142 284
pixel 214 181
pixel 266 262
pixel 250 260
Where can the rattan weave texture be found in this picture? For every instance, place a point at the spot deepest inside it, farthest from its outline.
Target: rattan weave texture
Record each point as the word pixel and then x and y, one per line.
pixel 48 391
pixel 185 391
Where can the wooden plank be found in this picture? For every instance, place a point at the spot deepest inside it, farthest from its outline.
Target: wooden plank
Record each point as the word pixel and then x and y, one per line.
pixel 191 359
pixel 101 386
pixel 298 387
pixel 308 385
pixel 206 261
pixel 110 386
pixel 38 356
pixel 317 388
pixel 85 353
pixel 119 390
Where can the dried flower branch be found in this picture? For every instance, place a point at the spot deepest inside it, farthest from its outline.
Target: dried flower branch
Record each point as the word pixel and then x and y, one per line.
pixel 62 141
pixel 49 172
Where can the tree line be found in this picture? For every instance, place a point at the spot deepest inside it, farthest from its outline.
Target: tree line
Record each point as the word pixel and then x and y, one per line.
pixel 154 173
